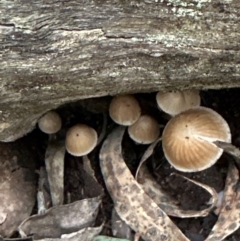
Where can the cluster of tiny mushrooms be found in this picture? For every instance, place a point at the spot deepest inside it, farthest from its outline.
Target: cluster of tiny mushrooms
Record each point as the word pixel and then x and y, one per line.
pixel 188 139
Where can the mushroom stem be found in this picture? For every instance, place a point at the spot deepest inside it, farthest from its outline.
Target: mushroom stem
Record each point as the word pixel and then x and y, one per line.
pixel 54 161
pixel 104 128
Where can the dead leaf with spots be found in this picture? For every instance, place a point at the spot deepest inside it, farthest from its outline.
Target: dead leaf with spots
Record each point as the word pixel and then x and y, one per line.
pixel 62 219
pixel 229 217
pixel 54 161
pixel 159 196
pixel 132 204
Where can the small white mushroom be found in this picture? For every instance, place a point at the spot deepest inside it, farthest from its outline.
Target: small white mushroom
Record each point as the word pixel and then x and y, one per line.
pixel 50 123
pixel 145 130
pixel 81 140
pixel 188 139
pixel 174 102
pixel 124 110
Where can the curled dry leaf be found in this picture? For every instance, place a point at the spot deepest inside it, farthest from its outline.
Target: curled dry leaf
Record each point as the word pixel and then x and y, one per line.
pixel 191 213
pixel 163 200
pixel 119 228
pixel 146 155
pixel 54 160
pixel 229 217
pixel 63 219
pixel 132 204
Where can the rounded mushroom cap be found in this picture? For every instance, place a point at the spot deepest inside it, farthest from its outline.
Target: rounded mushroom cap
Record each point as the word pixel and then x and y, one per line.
pixel 188 138
pixel 50 123
pixel 81 140
pixel 174 102
pixel 124 110
pixel 145 130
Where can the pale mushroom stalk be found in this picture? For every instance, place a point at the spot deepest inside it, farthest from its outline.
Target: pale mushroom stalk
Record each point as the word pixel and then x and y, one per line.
pixel 54 161
pixel 50 124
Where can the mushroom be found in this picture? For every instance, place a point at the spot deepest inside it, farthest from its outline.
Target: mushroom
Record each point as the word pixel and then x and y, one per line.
pixel 188 139
pixel 145 130
pixel 81 140
pixel 124 110
pixel 174 102
pixel 50 123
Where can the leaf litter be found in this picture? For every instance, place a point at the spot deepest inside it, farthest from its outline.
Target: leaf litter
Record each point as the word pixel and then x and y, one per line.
pixel 62 219
pixel 132 204
pixel 162 198
pixel 17 196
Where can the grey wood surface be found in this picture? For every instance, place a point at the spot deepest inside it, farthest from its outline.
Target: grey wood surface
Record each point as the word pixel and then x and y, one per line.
pixel 54 52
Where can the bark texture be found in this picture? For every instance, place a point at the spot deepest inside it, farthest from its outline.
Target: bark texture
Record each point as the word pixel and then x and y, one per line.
pixel 54 52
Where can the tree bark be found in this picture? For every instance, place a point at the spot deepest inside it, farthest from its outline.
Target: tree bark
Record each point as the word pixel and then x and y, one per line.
pixel 54 52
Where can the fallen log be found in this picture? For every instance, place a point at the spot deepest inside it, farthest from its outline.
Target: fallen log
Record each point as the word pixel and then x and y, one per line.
pixel 55 52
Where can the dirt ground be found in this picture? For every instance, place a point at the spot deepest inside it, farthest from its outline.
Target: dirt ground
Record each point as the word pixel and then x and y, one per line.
pixel 225 102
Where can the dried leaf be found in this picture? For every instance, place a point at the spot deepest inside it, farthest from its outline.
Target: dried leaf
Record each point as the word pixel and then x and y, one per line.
pixel 54 160
pixel 88 167
pixel 229 217
pixel 119 228
pixel 17 198
pixel 63 219
pixel 146 155
pixel 132 204
pixel 163 200
pixel 91 188
pixel 178 212
pixel 86 234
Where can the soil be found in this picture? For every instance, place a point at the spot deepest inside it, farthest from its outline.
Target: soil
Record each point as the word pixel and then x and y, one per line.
pixel 225 102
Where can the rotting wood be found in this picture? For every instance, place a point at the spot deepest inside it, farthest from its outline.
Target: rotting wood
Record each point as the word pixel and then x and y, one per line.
pixel 54 52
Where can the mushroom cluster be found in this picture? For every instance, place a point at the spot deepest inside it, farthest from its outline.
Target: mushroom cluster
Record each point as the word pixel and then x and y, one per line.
pixel 125 110
pixel 187 139
pixel 174 102
pixel 80 139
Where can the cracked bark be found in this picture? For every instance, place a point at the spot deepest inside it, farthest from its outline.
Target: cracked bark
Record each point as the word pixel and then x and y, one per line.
pixel 54 52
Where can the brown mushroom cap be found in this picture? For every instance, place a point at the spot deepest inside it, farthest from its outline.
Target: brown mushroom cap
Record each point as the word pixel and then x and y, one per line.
pixel 175 102
pixel 145 130
pixel 81 140
pixel 188 138
pixel 124 110
pixel 50 123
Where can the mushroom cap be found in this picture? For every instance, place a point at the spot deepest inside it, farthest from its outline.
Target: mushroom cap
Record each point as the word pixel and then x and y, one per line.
pixel 145 130
pixel 174 102
pixel 50 123
pixel 124 110
pixel 81 140
pixel 188 138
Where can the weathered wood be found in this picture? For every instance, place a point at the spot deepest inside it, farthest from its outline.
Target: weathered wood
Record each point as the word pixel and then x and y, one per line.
pixel 53 52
